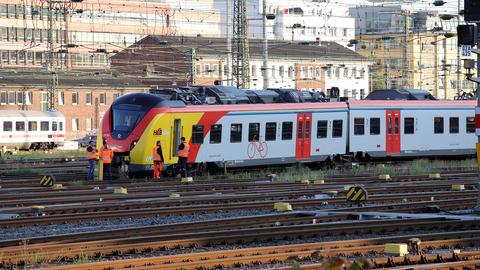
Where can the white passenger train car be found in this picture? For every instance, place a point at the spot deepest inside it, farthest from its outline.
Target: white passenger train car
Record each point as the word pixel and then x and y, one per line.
pixel 382 128
pixel 26 130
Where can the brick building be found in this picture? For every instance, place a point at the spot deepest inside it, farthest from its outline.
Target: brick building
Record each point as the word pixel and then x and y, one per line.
pixel 82 97
pixel 202 61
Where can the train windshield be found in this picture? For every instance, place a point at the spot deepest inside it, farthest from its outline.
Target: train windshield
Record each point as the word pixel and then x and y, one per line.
pixel 127 116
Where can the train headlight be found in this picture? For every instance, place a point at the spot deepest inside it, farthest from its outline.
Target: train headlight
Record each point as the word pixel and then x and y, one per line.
pixel 133 144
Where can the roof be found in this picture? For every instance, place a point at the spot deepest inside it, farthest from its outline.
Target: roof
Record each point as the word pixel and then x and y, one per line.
pixel 276 48
pixel 308 106
pixel 14 113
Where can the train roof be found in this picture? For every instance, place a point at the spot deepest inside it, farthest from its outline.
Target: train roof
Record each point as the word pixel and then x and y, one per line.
pixel 263 107
pixel 410 103
pixel 17 113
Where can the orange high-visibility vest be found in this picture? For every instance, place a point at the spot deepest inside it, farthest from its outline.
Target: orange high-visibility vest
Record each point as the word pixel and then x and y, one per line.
pixel 106 155
pixel 156 156
pixel 93 154
pixel 185 151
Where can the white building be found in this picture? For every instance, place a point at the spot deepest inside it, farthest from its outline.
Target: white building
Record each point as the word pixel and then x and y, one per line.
pixel 299 20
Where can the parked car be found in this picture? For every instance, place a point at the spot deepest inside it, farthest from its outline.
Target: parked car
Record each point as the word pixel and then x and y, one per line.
pixel 83 142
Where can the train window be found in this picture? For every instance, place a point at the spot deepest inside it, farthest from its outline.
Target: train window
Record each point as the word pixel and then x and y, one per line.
pixel 454 125
pixel 375 126
pixel 287 130
pixel 300 130
pixel 359 126
pixel 397 126
pixel 197 134
pixel 253 132
pixel 54 126
pixel 438 125
pixel 307 129
pixel 470 124
pixel 216 134
pixel 236 133
pixel 7 126
pixel 408 125
pixel 271 131
pixel 32 126
pixel 44 126
pixel 60 125
pixel 20 126
pixel 337 128
pixel 322 129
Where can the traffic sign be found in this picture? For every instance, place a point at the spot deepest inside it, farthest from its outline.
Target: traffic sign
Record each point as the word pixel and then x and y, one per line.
pixel 466 50
pixel 356 194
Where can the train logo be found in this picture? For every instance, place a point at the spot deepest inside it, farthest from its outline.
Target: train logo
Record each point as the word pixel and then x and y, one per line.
pixel 259 148
pixel 157 132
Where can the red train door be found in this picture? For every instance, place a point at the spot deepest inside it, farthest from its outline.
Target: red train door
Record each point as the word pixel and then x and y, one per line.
pixel 304 134
pixel 393 132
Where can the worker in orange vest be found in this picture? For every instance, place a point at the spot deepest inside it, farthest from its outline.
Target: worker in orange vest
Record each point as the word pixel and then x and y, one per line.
pixel 106 154
pixel 92 156
pixel 183 152
pixel 157 160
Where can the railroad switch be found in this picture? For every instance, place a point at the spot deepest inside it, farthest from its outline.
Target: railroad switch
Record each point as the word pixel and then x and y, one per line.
pixel 319 182
pixel 57 186
pixel 37 210
pixel 305 182
pixel 174 195
pixel 434 176
pixel 414 244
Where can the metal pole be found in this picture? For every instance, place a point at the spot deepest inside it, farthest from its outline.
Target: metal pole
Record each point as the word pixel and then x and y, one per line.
pixel 265 45
pixel 229 45
pixel 458 54
pixel 477 207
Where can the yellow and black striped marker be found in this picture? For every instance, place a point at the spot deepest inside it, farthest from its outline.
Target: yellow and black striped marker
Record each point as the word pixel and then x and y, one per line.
pixel 47 180
pixel 356 194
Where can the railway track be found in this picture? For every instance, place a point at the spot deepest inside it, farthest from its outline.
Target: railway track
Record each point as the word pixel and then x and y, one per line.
pixel 322 226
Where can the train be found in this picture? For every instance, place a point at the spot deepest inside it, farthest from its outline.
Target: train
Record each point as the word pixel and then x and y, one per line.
pixel 27 130
pixel 245 135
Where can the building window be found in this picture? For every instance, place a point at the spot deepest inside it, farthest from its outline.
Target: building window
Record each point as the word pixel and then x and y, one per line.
pixel 454 125
pixel 3 97
pixel 88 124
pixel 303 72
pixel 21 97
pixel 207 70
pixel 345 72
pixel 438 125
pixel 362 93
pixel 115 96
pixel 197 134
pixel 271 131
pixel 7 126
pixel 74 98
pixel 236 133
pixel 44 126
pixel 32 126
pixel 322 129
pixel 44 101
pixel 103 98
pixel 29 97
pixel 374 126
pixel 408 125
pixel 12 98
pixel 337 128
pixel 310 72
pixel 254 71
pixel 198 69
pixel 75 123
pixel 290 72
pixel 61 98
pixel 287 130
pixel 359 126
pixel 88 97
pixel 274 71
pixel 253 132
pixel 317 72
pixel 281 71
pixel 216 134
pixel 215 70
pixel 20 126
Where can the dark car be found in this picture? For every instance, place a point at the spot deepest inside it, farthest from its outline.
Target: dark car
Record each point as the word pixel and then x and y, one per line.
pixel 83 142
